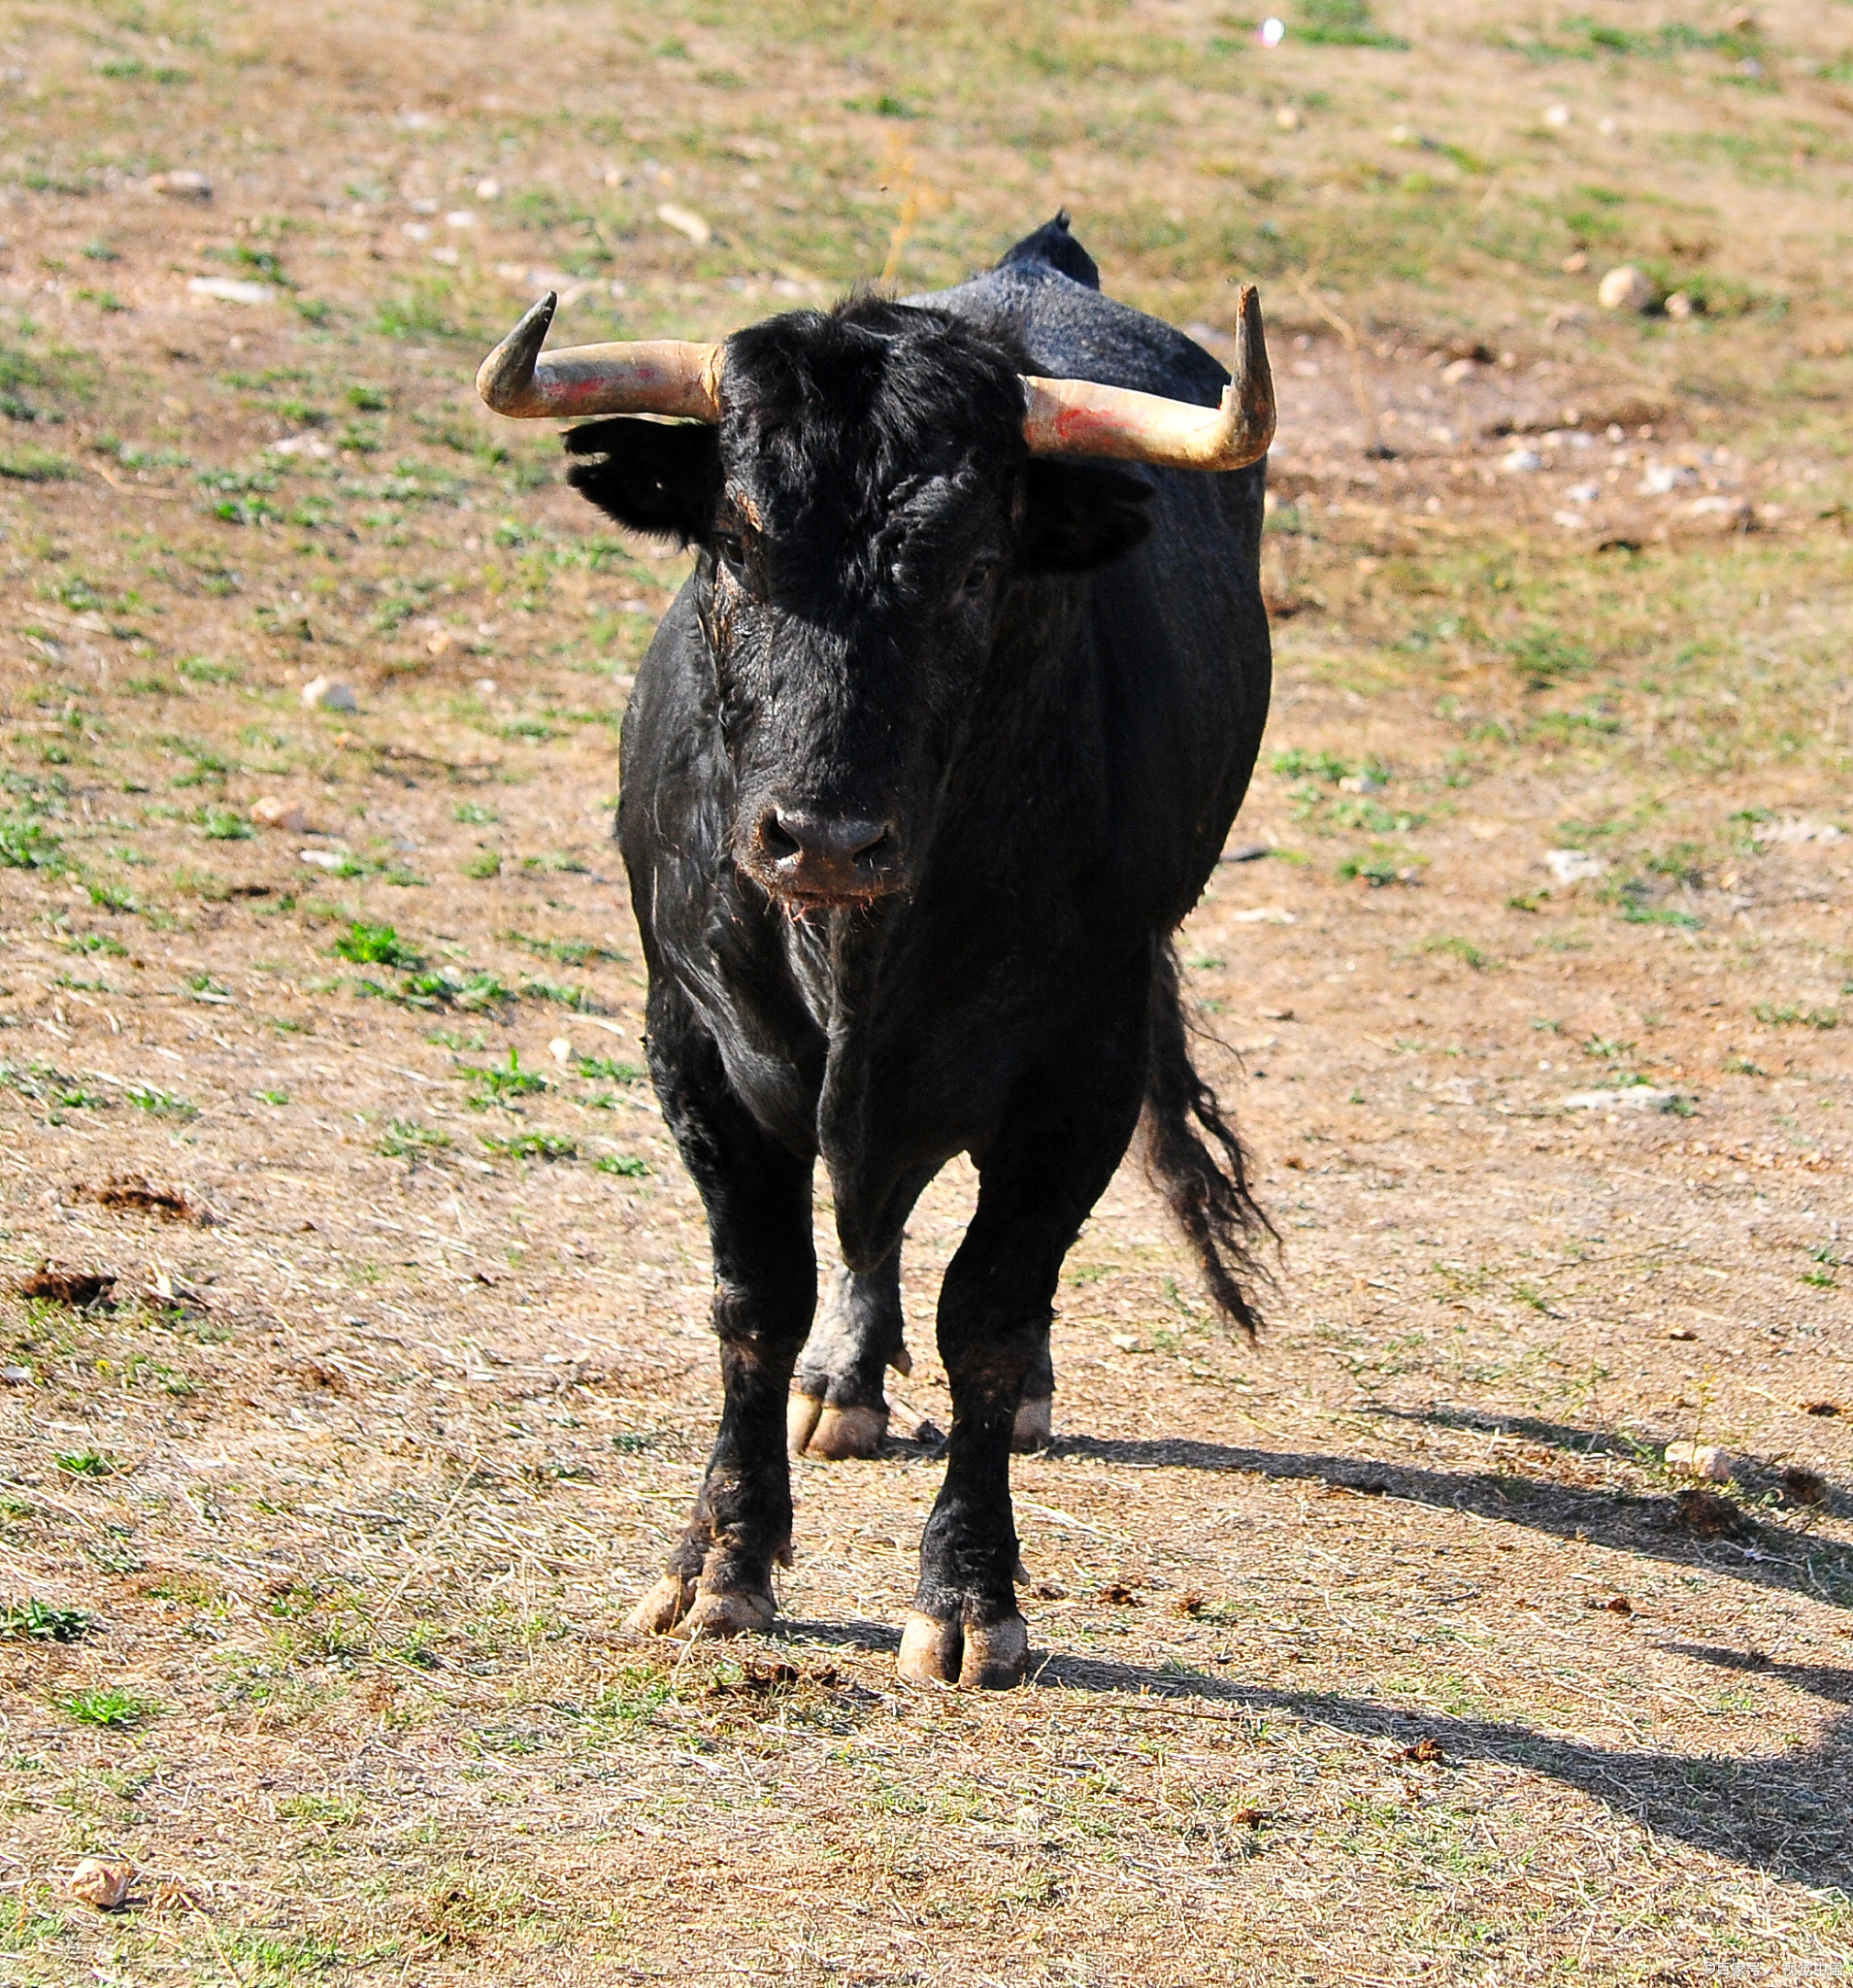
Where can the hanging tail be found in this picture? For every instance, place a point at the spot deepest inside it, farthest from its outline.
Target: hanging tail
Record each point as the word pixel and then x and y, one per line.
pixel 1195 1159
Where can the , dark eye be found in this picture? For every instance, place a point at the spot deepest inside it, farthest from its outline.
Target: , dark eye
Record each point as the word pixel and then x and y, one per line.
pixel 730 549
pixel 979 575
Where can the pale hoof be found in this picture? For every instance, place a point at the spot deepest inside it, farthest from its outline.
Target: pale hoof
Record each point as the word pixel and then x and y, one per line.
pixel 665 1606
pixel 733 1611
pixel 989 1658
pixel 1035 1426
pixel 847 1432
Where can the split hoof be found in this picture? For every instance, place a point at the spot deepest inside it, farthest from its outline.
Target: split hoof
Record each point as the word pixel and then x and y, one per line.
pixel 665 1606
pixel 1035 1424
pixel 988 1657
pixel 816 1429
pixel 730 1611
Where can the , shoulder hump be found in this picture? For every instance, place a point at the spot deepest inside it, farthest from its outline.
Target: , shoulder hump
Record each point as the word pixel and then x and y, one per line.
pixel 1046 289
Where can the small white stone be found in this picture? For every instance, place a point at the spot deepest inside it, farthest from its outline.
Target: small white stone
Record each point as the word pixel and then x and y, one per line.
pixel 560 1048
pixel 1521 462
pixel 1287 118
pixel 489 189
pixel 460 217
pixel 1625 289
pixel 1679 305
pixel 1663 478
pixel 16 1376
pixel 272 811
pixel 183 185
pixel 101 1881
pixel 1572 866
pixel 685 221
pixel 1582 494
pixel 322 859
pixel 324 693
pixel 1700 1460
pixel 228 289
pixel 1558 115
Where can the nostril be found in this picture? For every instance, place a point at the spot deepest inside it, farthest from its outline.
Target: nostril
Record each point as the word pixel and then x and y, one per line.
pixel 774 838
pixel 864 838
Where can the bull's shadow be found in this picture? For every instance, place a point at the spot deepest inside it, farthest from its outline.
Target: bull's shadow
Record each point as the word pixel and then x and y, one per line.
pixel 1787 1814
pixel 1783 1813
pixel 1757 1551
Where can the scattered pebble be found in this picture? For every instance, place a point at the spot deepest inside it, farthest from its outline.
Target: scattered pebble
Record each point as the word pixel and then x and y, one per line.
pixel 1457 370
pixel 1795 831
pixel 460 217
pixel 488 189
pixel 230 289
pixel 1360 784
pixel 1582 494
pixel 326 693
pixel 1681 1332
pixel 1821 1407
pixel 685 221
pixel 272 811
pixel 1663 478
pixel 1679 305
pixel 1264 914
pixel 322 859
pixel 1521 462
pixel 560 1048
pixel 1557 115
pixel 310 445
pixel 102 1881
pixel 1637 1097
pixel 1625 289
pixel 1574 866
pixel 16 1376
pixel 1700 1460
pixel 1287 117
pixel 183 185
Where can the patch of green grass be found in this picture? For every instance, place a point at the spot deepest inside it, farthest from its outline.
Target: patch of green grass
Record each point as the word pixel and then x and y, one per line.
pixel 36 466
pixel 1342 24
pixel 85 1463
pixel 111 1706
pixel 624 1164
pixel 406 1140
pixel 532 1146
pixel 377 945
pixel 581 998
pixel 497 1086
pixel 474 814
pixel 36 1621
pixel 1545 656
pixel 1381 866
pixel 1462 950
pixel 160 1104
pixel 28 844
pixel 608 1069
pixel 1787 1015
pixel 223 825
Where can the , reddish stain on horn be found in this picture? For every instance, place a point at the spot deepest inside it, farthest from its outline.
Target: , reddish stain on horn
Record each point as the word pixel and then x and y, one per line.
pixel 1060 417
pixel 645 376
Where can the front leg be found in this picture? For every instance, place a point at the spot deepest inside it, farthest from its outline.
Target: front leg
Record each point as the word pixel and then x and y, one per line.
pixel 757 1194
pixel 1035 1189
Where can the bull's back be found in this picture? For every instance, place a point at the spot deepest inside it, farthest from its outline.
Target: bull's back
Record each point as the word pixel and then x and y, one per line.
pixel 1179 634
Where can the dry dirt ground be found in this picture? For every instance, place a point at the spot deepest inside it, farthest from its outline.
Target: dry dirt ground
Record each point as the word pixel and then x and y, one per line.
pixel 1395 1649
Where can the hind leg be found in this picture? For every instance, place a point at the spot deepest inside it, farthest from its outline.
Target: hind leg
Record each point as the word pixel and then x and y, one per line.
pixel 838 1408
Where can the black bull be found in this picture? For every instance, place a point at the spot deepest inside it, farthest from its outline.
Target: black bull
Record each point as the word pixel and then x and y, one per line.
pixel 932 754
